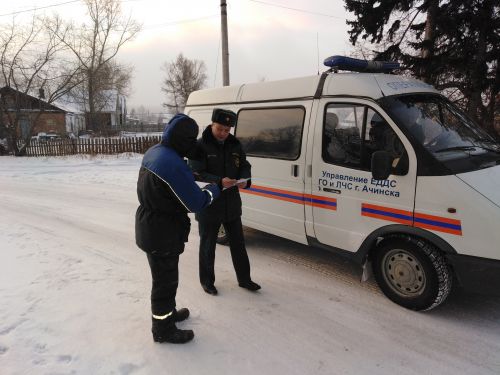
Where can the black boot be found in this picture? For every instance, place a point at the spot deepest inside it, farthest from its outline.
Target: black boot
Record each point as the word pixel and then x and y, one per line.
pixel 164 330
pixel 181 314
pixel 210 289
pixel 250 285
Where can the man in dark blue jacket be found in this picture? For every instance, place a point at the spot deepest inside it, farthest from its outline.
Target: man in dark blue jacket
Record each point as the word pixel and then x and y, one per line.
pixel 167 192
pixel 220 159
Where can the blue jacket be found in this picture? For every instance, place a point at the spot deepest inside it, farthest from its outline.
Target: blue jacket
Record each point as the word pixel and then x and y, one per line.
pixel 167 191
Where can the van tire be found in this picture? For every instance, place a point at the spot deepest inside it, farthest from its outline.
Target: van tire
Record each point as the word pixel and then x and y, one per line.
pixel 412 272
pixel 222 238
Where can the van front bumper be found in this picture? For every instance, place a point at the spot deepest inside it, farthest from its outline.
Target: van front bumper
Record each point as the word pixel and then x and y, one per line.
pixel 476 274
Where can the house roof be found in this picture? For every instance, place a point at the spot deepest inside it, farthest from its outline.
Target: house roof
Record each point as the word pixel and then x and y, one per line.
pixel 113 101
pixel 6 90
pixel 69 106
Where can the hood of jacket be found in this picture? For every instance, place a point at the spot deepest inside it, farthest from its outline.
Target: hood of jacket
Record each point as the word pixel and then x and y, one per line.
pixel 180 134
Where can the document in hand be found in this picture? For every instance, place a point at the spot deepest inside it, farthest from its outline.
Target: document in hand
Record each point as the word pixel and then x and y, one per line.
pixel 201 184
pixel 241 180
pixel 237 182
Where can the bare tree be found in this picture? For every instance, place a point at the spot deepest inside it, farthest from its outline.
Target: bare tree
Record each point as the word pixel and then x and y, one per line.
pixel 112 77
pixel 116 76
pixel 183 77
pixel 32 64
pixel 95 45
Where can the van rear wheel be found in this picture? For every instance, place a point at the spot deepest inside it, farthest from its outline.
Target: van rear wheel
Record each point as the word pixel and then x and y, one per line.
pixel 412 273
pixel 222 236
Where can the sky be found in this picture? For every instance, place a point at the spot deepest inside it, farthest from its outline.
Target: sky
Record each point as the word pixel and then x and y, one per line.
pixel 268 39
pixel 74 292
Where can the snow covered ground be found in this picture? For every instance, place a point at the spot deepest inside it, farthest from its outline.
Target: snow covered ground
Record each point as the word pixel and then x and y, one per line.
pixel 74 295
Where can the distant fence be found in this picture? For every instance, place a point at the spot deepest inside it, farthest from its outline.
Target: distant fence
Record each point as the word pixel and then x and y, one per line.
pixel 61 147
pixel 140 128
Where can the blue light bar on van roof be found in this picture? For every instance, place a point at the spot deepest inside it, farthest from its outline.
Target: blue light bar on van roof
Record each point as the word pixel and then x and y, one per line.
pixel 357 65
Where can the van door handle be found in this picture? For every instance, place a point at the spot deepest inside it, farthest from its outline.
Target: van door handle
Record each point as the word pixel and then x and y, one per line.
pixel 335 191
pixel 295 170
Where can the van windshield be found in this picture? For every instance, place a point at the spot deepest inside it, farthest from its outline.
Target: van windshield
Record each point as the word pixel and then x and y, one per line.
pixel 440 127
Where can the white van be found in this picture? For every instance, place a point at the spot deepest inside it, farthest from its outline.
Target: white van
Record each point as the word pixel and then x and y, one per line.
pixel 378 167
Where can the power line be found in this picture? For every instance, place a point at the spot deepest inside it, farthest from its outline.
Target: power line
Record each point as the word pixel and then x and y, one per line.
pixel 297 9
pixel 125 1
pixel 179 22
pixel 35 9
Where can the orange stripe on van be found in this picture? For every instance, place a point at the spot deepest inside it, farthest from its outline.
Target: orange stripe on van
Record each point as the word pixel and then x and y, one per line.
pixel 274 190
pixel 291 196
pixel 436 223
pixel 286 199
pixel 439 228
pixel 437 218
pixel 386 209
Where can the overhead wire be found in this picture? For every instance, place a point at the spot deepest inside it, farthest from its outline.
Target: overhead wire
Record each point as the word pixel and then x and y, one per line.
pixel 179 22
pixel 38 8
pixel 127 1
pixel 50 6
pixel 296 9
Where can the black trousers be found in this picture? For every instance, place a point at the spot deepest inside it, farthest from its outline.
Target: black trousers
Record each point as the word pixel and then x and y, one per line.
pixel 208 240
pixel 165 275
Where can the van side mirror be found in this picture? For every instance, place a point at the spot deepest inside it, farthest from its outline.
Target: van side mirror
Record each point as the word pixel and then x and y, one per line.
pixel 381 165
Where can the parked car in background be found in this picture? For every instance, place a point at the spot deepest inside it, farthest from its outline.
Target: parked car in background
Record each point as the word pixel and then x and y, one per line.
pixel 85 134
pixel 45 137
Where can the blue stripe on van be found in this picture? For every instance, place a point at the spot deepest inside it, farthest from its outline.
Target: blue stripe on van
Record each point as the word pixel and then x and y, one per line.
pixel 388 214
pixel 282 195
pixel 437 223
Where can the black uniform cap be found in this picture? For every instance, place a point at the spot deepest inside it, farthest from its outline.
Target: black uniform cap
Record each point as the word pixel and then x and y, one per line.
pixel 224 117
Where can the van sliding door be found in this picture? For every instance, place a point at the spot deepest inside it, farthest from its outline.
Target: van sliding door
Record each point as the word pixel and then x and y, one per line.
pixel 273 138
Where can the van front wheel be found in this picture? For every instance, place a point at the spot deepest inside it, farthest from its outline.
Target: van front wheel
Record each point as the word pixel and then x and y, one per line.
pixel 412 273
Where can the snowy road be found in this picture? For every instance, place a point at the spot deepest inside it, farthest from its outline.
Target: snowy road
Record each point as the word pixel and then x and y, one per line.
pixel 74 295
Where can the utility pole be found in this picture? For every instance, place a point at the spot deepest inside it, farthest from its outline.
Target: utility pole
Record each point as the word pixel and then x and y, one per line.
pixel 225 51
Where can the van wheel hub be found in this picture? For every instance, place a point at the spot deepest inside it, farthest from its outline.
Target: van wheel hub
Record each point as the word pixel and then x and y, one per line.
pixel 403 273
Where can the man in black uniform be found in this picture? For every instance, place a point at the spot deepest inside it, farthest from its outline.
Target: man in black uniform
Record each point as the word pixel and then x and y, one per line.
pixel 167 192
pixel 220 159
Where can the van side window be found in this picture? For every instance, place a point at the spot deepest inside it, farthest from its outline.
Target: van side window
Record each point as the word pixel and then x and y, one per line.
pixel 342 135
pixel 271 132
pixel 352 133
